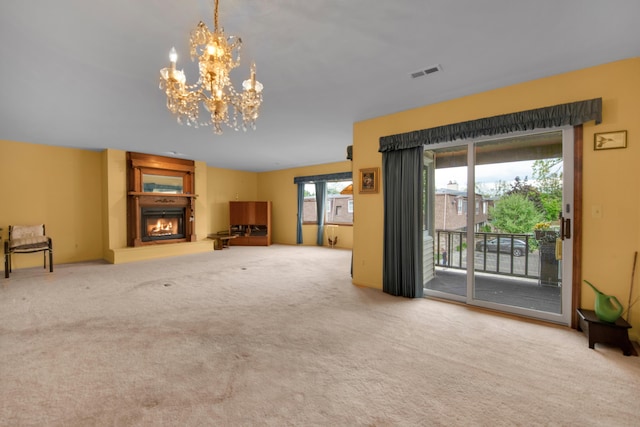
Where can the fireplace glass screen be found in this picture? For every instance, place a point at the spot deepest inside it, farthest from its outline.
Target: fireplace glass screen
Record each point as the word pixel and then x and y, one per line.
pixel 162 224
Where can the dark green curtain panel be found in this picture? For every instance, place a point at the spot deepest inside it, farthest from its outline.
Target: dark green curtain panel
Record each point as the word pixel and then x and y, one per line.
pixel 321 195
pixel 402 252
pixel 300 212
pixel 310 179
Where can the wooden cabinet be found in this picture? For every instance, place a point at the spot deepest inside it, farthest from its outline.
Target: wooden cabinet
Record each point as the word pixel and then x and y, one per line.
pixel 250 222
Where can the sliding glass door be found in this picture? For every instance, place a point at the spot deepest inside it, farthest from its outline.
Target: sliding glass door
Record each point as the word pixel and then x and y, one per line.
pixel 502 203
pixel 446 208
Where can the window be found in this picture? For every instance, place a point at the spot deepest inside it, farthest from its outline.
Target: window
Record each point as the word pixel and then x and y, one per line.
pixel 309 213
pixel 338 206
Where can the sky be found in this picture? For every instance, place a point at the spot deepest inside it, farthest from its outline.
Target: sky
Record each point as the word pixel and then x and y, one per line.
pixel 486 175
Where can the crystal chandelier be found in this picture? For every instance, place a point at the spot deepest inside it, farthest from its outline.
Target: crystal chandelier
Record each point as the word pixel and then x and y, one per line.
pixel 217 55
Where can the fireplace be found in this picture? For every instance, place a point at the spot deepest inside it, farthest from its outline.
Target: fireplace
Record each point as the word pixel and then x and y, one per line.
pixel 161 200
pixel 162 224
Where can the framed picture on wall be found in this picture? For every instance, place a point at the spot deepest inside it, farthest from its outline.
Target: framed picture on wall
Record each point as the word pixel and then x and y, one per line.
pixel 369 180
pixel 608 140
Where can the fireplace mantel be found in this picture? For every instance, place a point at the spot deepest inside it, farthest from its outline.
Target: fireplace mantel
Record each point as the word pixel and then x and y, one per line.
pixel 160 195
pixel 170 183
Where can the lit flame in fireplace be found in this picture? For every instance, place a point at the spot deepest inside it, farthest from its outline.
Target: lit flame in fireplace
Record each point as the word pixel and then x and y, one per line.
pixel 162 228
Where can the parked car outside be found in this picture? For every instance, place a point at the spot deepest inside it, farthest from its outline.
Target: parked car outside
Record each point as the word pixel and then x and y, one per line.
pixel 504 243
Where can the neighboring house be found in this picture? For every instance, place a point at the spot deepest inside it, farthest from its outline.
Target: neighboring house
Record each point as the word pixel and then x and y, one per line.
pixel 338 209
pixel 452 205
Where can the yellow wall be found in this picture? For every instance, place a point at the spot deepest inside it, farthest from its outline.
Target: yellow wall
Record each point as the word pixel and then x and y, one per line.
pixel 225 185
pixel 81 196
pixel 278 187
pixel 201 186
pixel 611 177
pixel 58 187
pixel 114 170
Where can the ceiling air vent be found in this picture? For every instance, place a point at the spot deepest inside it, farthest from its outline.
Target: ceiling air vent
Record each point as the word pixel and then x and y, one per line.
pixel 425 71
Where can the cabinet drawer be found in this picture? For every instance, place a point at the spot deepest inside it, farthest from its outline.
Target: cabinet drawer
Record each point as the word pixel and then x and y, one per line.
pixel 250 241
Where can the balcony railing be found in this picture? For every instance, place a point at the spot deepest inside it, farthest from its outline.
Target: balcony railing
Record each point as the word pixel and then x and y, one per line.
pixel 496 253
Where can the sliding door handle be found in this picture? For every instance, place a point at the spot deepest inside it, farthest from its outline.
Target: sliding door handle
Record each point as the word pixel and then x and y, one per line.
pixel 565 228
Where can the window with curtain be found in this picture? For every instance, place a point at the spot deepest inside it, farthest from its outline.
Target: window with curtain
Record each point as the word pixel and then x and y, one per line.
pixel 338 205
pixel 310 187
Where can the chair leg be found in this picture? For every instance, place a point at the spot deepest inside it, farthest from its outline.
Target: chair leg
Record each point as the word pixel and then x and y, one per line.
pixel 7 260
pixel 50 255
pixel 7 265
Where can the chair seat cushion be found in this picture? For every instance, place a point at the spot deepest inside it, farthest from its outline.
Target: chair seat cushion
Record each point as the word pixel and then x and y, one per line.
pixel 29 243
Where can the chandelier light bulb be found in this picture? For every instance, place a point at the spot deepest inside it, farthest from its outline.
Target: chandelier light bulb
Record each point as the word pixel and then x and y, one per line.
pixel 252 83
pixel 173 56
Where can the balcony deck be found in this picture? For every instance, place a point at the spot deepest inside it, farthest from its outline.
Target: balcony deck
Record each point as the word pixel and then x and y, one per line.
pixel 513 291
pixel 532 280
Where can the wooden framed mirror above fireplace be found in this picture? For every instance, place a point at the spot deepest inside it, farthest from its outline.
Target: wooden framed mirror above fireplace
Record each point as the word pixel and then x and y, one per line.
pixel 160 200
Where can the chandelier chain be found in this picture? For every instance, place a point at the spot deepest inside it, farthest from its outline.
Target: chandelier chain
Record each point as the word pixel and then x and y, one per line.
pixel 215 16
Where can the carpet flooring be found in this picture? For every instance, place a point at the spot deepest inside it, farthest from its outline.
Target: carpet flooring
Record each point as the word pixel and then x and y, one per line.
pixel 279 336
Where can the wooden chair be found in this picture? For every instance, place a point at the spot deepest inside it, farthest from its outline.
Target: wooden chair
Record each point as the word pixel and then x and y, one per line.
pixel 25 239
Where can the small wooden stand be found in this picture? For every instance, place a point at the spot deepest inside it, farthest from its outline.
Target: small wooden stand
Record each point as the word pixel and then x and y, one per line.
pixel 220 241
pixel 604 332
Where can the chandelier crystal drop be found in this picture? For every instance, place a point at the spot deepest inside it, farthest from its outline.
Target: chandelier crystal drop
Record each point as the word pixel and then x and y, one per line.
pixel 217 55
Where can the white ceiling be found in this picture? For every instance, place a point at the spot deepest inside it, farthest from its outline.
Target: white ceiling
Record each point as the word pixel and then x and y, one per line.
pixel 85 74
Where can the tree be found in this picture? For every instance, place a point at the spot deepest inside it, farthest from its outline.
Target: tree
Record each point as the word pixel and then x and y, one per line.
pixel 515 214
pixel 548 176
pixel 499 189
pixel 527 190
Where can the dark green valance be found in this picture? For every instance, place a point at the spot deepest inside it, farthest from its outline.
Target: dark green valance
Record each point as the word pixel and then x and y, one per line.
pixel 350 152
pixel 340 176
pixel 574 113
